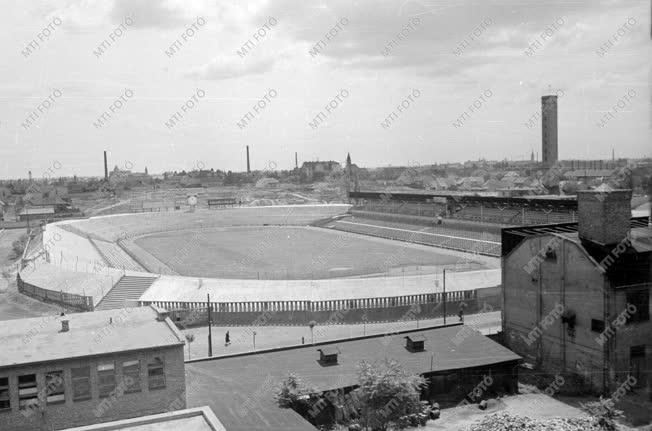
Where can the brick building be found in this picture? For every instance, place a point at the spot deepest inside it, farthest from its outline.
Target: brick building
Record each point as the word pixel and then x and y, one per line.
pixel 576 296
pixel 314 171
pixel 84 368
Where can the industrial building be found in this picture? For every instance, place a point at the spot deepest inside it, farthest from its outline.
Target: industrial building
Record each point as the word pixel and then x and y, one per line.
pixel 62 371
pixel 240 388
pixel 576 296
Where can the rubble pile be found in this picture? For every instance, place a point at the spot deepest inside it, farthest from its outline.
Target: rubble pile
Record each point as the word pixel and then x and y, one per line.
pixel 507 422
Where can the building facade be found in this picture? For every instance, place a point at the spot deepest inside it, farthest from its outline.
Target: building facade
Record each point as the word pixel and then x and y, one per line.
pixel 576 296
pixel 88 368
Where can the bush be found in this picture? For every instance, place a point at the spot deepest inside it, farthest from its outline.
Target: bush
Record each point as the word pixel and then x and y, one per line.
pixel 18 247
pixel 293 393
pixel 604 411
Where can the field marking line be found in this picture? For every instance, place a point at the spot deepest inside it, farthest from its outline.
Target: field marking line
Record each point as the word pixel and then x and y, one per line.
pixel 420 232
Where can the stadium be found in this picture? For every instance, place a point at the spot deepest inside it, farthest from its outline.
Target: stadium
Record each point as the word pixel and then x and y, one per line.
pixel 286 265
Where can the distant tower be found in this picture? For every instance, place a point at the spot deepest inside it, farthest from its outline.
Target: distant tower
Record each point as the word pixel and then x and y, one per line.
pixel 146 170
pixel 532 156
pixel 106 169
pixel 29 173
pixel 613 154
pixel 296 160
pixel 549 130
pixel 348 174
pixel 248 165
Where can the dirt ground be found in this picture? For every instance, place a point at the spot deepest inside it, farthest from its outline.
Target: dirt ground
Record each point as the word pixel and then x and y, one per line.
pixel 14 305
pixel 533 405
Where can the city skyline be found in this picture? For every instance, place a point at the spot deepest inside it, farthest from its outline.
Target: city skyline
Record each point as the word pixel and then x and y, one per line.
pixel 462 82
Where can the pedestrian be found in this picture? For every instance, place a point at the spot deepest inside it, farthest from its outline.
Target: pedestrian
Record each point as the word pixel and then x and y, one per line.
pixel 303 340
pixel 227 339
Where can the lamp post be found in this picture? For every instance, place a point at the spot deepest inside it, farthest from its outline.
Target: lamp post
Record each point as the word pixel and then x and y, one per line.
pixel 210 323
pixel 444 296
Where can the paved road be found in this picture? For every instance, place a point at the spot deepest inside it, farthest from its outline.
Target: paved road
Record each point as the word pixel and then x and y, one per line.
pixel 278 336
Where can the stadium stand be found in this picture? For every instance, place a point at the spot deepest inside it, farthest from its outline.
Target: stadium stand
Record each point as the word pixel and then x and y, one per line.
pixel 115 256
pixel 126 292
pixel 508 211
pixel 486 244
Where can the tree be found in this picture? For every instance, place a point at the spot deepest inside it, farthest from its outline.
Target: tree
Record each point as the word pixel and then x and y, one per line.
pixel 189 338
pixel 294 393
pixel 312 324
pixel 18 247
pixel 386 392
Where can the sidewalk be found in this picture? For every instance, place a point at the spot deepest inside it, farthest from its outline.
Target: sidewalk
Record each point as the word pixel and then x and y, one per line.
pixel 267 337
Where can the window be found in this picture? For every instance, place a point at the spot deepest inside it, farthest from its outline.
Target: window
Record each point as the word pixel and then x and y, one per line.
pixel 155 373
pixel 81 383
pixel 131 375
pixel 106 378
pixel 639 298
pixel 5 399
pixel 27 391
pixel 597 325
pixel 54 387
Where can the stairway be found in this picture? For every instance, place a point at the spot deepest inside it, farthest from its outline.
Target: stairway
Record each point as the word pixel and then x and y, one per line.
pixel 125 293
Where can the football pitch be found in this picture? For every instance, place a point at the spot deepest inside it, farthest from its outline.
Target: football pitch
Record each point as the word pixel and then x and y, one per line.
pixel 291 253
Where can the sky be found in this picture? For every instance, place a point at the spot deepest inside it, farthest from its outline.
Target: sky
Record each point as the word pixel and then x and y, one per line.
pixel 460 80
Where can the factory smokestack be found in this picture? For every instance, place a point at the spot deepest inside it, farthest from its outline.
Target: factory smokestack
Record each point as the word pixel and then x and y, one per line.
pixel 248 165
pixel 296 160
pixel 106 169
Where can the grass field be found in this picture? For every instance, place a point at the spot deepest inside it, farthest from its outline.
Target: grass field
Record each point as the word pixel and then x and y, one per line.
pixel 290 253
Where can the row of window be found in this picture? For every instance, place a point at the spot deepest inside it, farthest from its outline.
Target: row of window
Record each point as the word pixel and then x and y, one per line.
pixel 54 391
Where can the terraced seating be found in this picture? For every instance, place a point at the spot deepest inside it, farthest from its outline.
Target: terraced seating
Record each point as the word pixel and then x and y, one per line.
pixel 116 257
pixel 125 293
pixel 456 240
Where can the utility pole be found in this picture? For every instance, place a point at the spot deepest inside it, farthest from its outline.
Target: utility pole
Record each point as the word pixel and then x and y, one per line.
pixel 444 296
pixel 210 323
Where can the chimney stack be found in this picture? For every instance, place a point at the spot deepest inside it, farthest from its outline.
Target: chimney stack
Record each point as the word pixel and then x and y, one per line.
pixel 65 325
pixel 248 166
pixel 296 160
pixel 604 215
pixel 106 168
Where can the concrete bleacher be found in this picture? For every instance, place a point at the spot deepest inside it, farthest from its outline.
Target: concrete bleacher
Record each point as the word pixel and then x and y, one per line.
pixel 485 243
pixel 116 257
pixel 53 278
pixel 126 292
pixel 116 227
pixel 512 215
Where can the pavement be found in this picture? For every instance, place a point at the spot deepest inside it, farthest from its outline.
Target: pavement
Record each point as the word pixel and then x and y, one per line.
pixel 268 337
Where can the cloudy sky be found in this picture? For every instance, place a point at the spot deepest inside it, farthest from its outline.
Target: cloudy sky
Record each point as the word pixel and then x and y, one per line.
pixel 452 53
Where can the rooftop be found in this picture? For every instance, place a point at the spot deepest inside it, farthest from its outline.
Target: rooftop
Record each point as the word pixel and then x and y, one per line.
pixel 641 234
pixel 41 339
pixel 197 419
pixel 240 388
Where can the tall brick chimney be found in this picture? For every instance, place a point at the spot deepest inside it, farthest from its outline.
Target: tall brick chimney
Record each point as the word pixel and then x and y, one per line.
pixel 106 169
pixel 604 214
pixel 248 166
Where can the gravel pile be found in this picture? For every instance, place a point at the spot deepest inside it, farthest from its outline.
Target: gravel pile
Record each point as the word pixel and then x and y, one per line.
pixel 507 422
